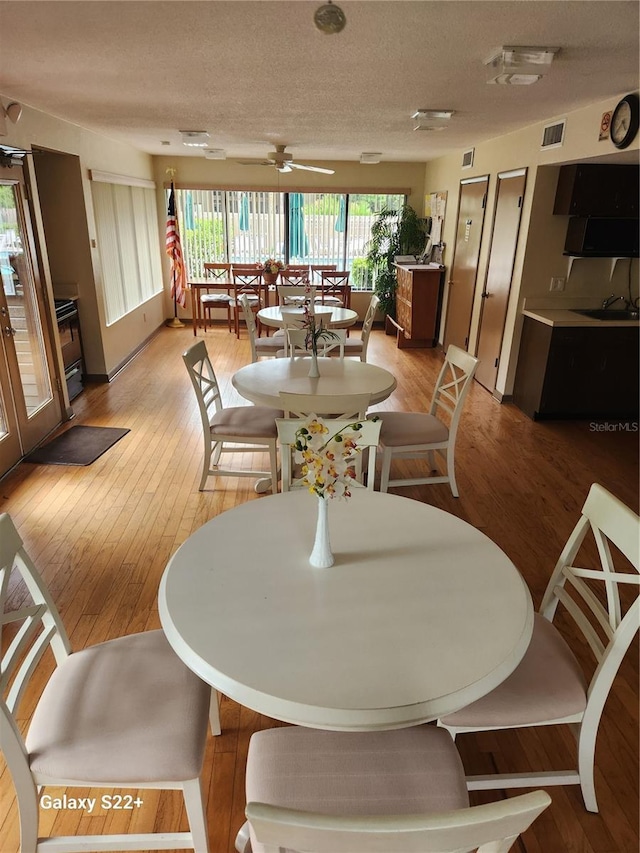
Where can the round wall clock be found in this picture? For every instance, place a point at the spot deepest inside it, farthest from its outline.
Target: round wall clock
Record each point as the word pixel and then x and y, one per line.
pixel 624 121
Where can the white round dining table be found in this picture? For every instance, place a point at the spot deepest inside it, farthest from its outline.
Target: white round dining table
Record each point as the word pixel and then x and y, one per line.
pixel 262 381
pixel 420 614
pixel 338 318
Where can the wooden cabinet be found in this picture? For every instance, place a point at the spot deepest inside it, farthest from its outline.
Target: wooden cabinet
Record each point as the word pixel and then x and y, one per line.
pixel 596 189
pixel 418 303
pixel 577 371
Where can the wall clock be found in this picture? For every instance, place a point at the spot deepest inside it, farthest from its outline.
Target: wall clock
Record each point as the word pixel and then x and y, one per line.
pixel 624 121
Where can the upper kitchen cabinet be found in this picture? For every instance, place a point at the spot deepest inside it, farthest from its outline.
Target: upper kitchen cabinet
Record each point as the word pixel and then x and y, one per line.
pixel 594 189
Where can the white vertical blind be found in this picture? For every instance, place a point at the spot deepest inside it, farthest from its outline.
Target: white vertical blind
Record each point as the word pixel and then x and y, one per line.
pixel 128 241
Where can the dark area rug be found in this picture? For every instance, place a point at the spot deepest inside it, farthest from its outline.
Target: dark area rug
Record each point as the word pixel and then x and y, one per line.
pixel 80 445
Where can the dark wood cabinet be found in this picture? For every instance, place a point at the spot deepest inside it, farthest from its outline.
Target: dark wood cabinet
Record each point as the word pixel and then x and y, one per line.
pixel 596 189
pixel 418 303
pixel 577 371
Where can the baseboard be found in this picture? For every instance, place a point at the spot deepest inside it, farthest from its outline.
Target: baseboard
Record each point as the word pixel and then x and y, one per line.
pixel 101 378
pixel 502 398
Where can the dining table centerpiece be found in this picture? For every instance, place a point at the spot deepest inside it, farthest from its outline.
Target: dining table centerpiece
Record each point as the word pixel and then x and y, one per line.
pixel 270 270
pixel 328 471
pixel 315 332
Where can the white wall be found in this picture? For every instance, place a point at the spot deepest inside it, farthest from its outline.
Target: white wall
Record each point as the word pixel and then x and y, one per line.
pixel 539 254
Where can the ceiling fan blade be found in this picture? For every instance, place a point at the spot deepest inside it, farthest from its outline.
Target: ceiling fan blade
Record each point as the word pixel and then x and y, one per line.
pixel 255 162
pixel 312 168
pixel 283 167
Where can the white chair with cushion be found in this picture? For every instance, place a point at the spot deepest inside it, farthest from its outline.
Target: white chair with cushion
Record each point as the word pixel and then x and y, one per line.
pixel 357 347
pixel 270 346
pixel 331 405
pixel 248 429
pixel 549 687
pixel 290 294
pixel 331 344
pixel 416 435
pixel 397 791
pixel 126 713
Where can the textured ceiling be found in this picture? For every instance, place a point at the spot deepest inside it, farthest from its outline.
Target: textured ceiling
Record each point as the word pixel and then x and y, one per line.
pixel 254 74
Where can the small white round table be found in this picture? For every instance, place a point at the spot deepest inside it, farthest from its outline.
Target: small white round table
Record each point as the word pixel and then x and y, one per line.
pixel 338 318
pixel 262 381
pixel 419 615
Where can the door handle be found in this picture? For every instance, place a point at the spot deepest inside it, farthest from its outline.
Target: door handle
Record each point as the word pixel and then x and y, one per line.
pixel 485 295
pixel 9 331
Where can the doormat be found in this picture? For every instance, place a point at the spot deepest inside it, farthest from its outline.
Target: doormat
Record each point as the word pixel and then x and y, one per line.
pixel 80 445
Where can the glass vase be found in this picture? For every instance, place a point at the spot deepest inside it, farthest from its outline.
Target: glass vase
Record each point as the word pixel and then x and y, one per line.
pixel 321 556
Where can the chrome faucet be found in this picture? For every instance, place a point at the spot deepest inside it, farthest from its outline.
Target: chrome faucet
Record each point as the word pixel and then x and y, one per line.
pixel 607 303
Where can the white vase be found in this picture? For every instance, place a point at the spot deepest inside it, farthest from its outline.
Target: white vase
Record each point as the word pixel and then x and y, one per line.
pixel 314 373
pixel 321 556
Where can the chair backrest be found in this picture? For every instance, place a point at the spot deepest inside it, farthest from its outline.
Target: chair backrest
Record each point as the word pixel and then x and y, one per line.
pixel 318 269
pixel 250 320
pixel 368 437
pixel 491 828
pixel 217 271
pixel 452 387
pixel 600 617
pixel 297 342
pixel 204 382
pixel 25 635
pixel 294 277
pixel 335 405
pixel 292 294
pixel 367 324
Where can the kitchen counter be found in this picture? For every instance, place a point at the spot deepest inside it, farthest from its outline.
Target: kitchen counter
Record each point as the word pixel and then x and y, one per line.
pixel 558 317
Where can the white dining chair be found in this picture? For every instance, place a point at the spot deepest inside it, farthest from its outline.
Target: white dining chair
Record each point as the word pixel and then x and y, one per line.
pixel 295 294
pixel 269 346
pixel 331 405
pixel 237 429
pixel 126 713
pixel 548 687
pixel 397 791
pixel 331 344
pixel 419 435
pixel 363 459
pixel 358 347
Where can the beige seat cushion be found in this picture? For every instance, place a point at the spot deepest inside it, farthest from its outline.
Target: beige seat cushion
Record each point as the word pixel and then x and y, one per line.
pixel 548 684
pixel 353 345
pixel 409 771
pixel 246 421
pixel 403 429
pixel 127 710
pixel 268 344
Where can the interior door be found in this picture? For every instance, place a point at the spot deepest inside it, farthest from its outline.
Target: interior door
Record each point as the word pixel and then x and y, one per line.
pixel 495 298
pixel 462 281
pixel 31 402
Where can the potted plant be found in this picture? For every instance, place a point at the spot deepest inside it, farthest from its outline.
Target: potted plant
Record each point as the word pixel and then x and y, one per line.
pixel 394 232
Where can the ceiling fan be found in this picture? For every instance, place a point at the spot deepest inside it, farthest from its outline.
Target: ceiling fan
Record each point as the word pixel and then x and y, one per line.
pixel 283 161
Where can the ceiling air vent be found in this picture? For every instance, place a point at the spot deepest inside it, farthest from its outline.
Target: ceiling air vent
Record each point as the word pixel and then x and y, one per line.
pixel 467 158
pixel 553 135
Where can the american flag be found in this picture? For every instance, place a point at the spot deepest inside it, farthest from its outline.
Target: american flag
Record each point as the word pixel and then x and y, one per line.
pixel 174 250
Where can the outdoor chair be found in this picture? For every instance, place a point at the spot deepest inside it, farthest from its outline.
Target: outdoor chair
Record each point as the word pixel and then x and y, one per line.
pixel 248 429
pixel 126 713
pixel 397 791
pixel 416 435
pixel 548 687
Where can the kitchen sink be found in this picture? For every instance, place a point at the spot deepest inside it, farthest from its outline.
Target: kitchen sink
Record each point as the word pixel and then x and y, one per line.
pixel 606 314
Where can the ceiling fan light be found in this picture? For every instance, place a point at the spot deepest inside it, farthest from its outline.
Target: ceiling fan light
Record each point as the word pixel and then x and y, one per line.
pixel 195 138
pixel 372 157
pixel 433 115
pixel 215 154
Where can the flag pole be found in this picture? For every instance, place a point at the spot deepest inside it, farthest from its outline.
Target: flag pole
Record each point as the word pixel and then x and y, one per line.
pixel 174 251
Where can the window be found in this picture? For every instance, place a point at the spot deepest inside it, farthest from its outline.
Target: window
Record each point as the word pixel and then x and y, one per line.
pixel 127 232
pixel 245 226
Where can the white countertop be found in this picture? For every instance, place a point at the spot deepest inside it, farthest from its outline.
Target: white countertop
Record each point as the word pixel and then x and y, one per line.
pixel 567 317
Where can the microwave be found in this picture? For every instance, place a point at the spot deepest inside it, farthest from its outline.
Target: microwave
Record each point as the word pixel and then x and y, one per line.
pixel 599 237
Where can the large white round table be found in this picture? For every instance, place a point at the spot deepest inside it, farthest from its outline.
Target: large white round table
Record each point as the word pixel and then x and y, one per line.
pixel 262 381
pixel 419 615
pixel 338 318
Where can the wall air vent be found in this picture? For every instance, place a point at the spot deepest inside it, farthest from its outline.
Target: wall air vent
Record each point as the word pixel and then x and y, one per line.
pixel 553 135
pixel 467 158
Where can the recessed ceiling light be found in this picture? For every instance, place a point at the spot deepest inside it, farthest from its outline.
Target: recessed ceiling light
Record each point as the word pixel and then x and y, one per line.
pixel 195 138
pixel 519 66
pixel 215 154
pixel 433 115
pixel 370 157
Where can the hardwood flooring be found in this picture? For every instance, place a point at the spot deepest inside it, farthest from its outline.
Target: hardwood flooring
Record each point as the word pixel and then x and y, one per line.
pixel 101 536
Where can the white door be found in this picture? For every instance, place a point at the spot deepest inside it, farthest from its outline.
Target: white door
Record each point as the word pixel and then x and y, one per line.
pixel 30 402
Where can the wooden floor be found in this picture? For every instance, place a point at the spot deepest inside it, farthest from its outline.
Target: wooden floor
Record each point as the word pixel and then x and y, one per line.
pixel 101 535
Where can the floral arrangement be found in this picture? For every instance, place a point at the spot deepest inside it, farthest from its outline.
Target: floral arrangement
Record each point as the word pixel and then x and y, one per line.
pixel 328 467
pixel 273 266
